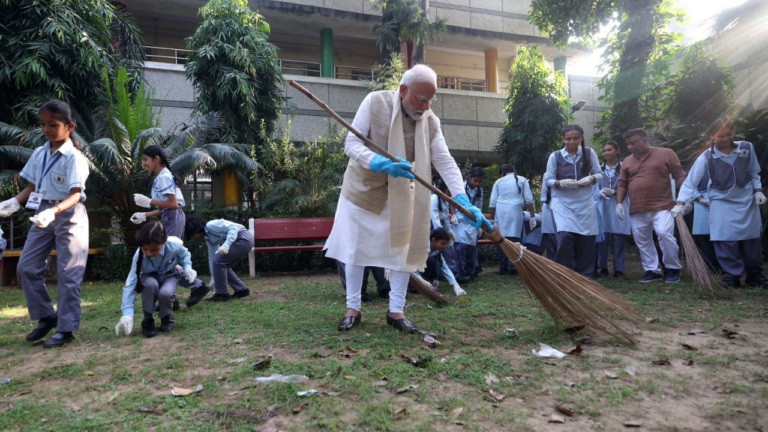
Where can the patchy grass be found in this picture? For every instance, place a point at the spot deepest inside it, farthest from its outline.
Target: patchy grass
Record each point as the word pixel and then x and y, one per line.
pixel 102 382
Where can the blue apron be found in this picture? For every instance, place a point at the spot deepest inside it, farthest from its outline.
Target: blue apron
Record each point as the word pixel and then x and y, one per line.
pixel 573 209
pixel 607 207
pixel 700 211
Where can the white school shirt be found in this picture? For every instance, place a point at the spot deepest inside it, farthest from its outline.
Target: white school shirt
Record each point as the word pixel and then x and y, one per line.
pixel 65 169
pixel 165 184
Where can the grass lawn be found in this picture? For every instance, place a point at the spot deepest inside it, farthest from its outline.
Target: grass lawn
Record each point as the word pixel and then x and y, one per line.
pixel 102 382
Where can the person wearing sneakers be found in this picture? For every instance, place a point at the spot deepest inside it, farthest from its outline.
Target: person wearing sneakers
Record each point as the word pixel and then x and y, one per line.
pixel 228 243
pixel 644 178
pixel 735 194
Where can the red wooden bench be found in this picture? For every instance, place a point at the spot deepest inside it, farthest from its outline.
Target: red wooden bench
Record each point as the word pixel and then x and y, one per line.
pixel 294 229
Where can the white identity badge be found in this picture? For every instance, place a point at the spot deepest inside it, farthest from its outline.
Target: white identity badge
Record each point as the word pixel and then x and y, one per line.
pixel 35 198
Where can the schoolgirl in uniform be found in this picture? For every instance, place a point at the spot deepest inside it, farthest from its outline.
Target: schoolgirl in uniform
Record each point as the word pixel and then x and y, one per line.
pixel 532 238
pixel 165 193
pixel 154 275
pixel 614 229
pixel 2 244
pixel 228 243
pixel 735 192
pixel 466 233
pixel 436 265
pixel 571 173
pixel 509 196
pixel 700 230
pixel 442 218
pixel 56 173
pixel 548 231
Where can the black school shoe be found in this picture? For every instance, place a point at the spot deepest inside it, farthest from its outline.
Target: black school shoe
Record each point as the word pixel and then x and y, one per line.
pixel 58 340
pixel 148 326
pixel 730 281
pixel 366 298
pixel 218 298
pixel 243 293
pixel 603 273
pixel 197 295
pixel 673 276
pixel 758 281
pixel 44 326
pixel 651 277
pixel 166 323
pixel 403 324
pixel 619 275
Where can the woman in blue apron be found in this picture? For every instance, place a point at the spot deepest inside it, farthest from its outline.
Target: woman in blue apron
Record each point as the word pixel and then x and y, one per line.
pixel 166 193
pixel 700 230
pixel 465 246
pixel 735 192
pixel 548 231
pixel 614 229
pixel 56 173
pixel 157 266
pixel 2 244
pixel 571 173
pixel 228 243
pixel 509 196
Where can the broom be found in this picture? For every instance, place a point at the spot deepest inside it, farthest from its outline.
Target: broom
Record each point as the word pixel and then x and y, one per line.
pixel 568 297
pixel 425 288
pixel 703 278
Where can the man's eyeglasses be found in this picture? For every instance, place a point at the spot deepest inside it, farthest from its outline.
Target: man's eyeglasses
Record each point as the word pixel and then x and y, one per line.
pixel 423 100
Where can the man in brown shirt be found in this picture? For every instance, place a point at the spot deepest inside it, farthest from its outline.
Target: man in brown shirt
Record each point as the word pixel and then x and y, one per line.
pixel 645 175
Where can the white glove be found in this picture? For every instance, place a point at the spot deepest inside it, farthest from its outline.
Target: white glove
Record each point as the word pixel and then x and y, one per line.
pixel 704 202
pixel 9 207
pixel 586 181
pixel 435 284
pixel 139 218
pixel 222 250
pixel 532 224
pixel 688 206
pixel 620 211
pixel 44 218
pixel 125 323
pixel 760 199
pixel 458 291
pixel 142 200
pixel 569 184
pixel 190 275
pixel 454 219
pixel 678 210
pixel 607 193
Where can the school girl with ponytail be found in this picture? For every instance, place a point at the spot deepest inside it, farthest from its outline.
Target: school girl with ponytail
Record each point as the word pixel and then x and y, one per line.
pixel 571 173
pixel 510 196
pixel 165 193
pixel 56 173
pixel 615 229
pixel 155 274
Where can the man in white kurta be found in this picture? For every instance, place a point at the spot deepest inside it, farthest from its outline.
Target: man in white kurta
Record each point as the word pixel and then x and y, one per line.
pixel 383 218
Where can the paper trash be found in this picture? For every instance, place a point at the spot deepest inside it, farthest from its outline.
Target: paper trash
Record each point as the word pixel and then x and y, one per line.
pixel 306 393
pixel 288 379
pixel 181 391
pixel 548 351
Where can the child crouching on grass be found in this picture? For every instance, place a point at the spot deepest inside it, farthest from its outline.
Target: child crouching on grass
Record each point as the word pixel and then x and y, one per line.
pixel 154 275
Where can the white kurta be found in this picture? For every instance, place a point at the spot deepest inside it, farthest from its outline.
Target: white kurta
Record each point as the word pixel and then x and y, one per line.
pixel 360 237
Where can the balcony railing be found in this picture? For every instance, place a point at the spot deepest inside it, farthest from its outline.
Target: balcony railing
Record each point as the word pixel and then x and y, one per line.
pixel 353 73
pixel 167 55
pixel 293 67
pixel 456 83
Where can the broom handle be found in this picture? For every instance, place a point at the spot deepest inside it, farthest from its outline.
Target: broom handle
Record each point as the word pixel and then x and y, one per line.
pixel 380 150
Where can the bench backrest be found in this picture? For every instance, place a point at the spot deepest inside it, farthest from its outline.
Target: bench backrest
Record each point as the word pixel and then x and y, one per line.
pixel 274 230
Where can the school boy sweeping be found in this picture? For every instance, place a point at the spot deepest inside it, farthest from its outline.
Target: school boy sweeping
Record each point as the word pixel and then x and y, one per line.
pixel 735 192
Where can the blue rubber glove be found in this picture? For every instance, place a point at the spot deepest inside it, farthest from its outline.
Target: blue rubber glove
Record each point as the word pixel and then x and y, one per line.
pixel 395 169
pixel 463 200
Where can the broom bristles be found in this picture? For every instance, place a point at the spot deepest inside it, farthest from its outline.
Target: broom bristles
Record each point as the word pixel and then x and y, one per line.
pixel 703 278
pixel 568 297
pixel 425 288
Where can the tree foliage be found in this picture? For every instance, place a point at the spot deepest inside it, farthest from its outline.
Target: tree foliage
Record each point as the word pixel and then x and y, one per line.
pixel 405 20
pixel 387 76
pixel 53 49
pixel 736 16
pixel 236 71
pixel 537 111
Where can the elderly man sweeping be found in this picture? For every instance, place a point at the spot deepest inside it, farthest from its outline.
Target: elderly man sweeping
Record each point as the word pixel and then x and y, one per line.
pixel 382 219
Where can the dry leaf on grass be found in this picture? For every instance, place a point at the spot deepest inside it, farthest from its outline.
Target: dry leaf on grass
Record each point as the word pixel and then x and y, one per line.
pixel 182 391
pixel 565 410
pixel 661 362
pixel 350 352
pixel 238 360
pixel 238 341
pixel 611 375
pixel 262 364
pixel 554 418
pixel 689 362
pixel 88 373
pixel 431 341
pixel 633 423
pixel 405 389
pixel 695 332
pixel 730 334
pixel 381 383
pixel 576 351
pixel 420 362
pixel 631 369
pixel 491 379
pixel 267 427
pixel 651 320
pixel 403 412
pixel 453 415
pixel 496 395
pixel 689 347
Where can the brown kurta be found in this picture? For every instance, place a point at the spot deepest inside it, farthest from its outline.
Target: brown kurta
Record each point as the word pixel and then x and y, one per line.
pixel 647 180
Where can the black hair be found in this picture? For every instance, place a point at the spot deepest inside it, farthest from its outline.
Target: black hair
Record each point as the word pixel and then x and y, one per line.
pixel 442 187
pixel 63 111
pixel 717 126
pixel 440 234
pixel 635 132
pixel 506 169
pixel 615 145
pixel 477 172
pixel 154 151
pixel 586 163
pixel 151 232
pixel 195 224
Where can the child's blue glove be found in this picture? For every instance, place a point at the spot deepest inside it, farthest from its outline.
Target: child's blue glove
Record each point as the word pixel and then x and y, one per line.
pixel 463 200
pixel 395 169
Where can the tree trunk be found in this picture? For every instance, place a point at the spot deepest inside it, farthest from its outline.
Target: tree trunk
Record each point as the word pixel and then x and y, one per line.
pixel 387 53
pixel 420 49
pixel 632 67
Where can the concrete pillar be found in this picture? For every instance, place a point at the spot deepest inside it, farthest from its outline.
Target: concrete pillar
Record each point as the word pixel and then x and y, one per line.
pixel 326 53
pixel 231 194
pixel 561 64
pixel 492 69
